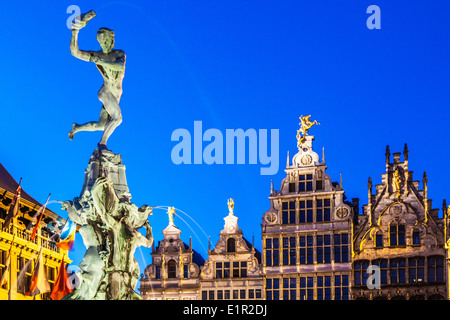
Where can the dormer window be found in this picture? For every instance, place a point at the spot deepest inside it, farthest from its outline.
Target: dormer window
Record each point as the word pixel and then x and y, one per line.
pixel 305 182
pixel 231 245
pixel 171 269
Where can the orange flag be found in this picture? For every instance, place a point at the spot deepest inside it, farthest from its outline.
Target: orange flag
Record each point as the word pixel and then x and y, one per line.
pixel 39 282
pixel 60 289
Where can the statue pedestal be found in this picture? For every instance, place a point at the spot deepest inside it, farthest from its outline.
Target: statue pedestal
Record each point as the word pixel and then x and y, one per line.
pixel 106 164
pixel 109 225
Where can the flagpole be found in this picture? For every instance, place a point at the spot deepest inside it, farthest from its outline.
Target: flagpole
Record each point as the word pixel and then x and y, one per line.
pixel 10 262
pixel 13 230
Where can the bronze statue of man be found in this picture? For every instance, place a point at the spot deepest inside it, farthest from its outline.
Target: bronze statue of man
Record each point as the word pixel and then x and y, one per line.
pixel 111 64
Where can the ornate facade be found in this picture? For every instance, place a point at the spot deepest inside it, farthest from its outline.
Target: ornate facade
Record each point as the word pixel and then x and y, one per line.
pixel 306 233
pixel 403 236
pixel 18 238
pixel 174 272
pixel 316 245
pixel 232 270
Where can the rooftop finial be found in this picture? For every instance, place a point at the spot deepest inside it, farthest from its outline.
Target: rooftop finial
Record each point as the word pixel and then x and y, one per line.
pixel 305 124
pixel 287 161
pixel 171 213
pixel 231 205
pixel 405 152
pixel 387 154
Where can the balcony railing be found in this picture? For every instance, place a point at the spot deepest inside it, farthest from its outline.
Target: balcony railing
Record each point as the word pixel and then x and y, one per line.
pixel 25 234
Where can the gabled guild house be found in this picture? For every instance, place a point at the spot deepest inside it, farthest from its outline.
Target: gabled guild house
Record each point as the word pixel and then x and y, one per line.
pixel 402 234
pixel 306 233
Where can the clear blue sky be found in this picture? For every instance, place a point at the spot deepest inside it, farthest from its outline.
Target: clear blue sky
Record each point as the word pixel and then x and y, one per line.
pixel 229 64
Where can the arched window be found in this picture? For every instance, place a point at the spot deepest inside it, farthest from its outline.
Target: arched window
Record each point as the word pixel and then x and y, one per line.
pixel 397 234
pixel 231 245
pixel 435 268
pixel 171 269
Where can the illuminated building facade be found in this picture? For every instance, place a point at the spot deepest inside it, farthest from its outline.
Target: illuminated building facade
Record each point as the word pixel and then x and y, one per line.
pixel 233 268
pixel 18 238
pixel 316 245
pixel 306 233
pixel 400 233
pixel 174 272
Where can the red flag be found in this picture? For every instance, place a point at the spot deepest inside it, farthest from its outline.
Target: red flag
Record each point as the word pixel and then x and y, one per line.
pixel 61 289
pixel 41 212
pixel 39 282
pixel 14 207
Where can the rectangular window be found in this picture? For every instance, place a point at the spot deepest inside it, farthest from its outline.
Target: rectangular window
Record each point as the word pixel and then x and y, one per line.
pixel 292 187
pixel 323 248
pixel 397 235
pixel 309 211
pixel 323 288
pixel 302 211
pixel 341 287
pixel 289 288
pixel 326 210
pixel 305 182
pixel 309 249
pixel 323 210
pixel 239 269
pixel 289 251
pixel 185 271
pixel 341 247
pixel 379 240
pixel 306 288
pixel 223 270
pixel 319 185
pixel 416 237
pixel 288 212
pixel 416 270
pixel 398 271
pixel 273 289
pixel 272 252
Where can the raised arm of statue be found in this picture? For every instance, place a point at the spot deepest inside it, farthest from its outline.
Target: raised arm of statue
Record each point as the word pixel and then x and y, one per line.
pixel 146 241
pixel 76 26
pixel 74 213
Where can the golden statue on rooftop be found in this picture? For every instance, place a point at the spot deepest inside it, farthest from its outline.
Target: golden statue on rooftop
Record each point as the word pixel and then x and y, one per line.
pixel 231 205
pixel 305 125
pixel 171 213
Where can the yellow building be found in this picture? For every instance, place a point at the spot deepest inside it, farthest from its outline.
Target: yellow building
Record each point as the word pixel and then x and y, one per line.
pixel 23 249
